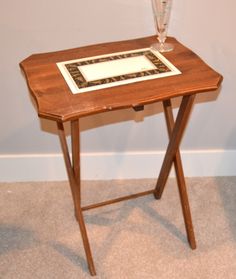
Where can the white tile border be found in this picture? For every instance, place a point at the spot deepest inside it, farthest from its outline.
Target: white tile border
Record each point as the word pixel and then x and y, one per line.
pixel 105 166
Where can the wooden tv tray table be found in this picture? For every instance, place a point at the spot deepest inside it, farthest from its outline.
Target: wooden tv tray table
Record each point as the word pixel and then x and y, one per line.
pixel 56 102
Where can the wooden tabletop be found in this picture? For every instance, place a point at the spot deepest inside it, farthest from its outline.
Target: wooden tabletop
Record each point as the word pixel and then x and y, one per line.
pixel 55 100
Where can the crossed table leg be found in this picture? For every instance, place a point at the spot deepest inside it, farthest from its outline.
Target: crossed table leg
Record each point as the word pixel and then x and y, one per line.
pixel 73 173
pixel 175 131
pixel 174 155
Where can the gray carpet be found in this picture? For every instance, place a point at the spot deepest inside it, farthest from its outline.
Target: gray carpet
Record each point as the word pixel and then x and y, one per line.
pixel 141 238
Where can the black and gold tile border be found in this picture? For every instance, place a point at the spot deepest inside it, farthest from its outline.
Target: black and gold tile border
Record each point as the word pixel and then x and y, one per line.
pixel 82 83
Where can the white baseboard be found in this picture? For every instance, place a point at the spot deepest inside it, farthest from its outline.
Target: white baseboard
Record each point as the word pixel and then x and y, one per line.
pixel 106 166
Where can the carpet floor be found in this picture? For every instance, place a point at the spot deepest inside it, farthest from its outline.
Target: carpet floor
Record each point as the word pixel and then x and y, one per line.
pixel 141 238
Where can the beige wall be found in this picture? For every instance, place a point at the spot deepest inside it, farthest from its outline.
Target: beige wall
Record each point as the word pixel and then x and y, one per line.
pixel 28 27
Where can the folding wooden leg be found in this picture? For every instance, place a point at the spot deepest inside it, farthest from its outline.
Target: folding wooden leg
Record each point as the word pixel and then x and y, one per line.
pixel 180 178
pixel 74 180
pixel 75 145
pixel 176 135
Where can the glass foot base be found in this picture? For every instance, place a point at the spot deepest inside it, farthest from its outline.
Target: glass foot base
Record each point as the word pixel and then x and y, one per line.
pixel 162 47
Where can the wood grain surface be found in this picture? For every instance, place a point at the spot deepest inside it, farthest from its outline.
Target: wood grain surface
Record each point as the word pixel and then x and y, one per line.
pixel 55 100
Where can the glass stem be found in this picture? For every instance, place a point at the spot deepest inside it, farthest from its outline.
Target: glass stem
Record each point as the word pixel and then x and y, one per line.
pixel 161 40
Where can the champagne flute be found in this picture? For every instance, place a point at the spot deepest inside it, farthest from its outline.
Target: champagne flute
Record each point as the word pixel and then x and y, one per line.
pixel 161 11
